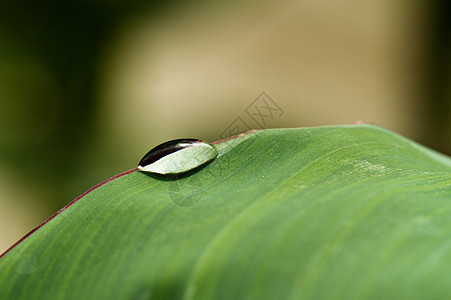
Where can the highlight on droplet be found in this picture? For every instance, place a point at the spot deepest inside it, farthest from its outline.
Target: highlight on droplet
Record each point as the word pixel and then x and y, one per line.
pixel 177 156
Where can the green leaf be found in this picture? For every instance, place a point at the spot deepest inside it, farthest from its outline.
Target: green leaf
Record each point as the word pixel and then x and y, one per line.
pixel 351 212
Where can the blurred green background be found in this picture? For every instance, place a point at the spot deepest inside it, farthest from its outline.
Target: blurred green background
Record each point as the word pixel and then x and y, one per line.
pixel 88 87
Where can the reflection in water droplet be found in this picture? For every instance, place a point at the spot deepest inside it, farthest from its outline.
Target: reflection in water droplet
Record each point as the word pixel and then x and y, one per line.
pixel 177 156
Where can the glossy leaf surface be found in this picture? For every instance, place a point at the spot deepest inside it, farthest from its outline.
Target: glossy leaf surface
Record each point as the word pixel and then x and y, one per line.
pixel 350 212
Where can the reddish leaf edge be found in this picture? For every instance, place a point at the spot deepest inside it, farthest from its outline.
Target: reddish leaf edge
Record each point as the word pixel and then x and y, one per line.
pixel 65 207
pixel 96 187
pixel 234 137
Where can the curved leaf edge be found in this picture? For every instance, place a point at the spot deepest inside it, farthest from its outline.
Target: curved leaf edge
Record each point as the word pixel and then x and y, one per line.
pixel 94 188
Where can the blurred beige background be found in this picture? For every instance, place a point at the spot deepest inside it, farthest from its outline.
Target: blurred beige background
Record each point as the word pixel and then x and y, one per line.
pixel 191 70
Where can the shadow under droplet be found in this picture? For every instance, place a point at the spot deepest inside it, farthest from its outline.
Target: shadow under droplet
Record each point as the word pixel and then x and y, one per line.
pixel 172 177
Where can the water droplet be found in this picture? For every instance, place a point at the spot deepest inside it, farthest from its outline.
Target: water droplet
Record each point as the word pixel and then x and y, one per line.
pixel 177 156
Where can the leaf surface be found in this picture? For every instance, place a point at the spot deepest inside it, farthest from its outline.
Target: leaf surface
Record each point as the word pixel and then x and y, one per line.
pixel 349 212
